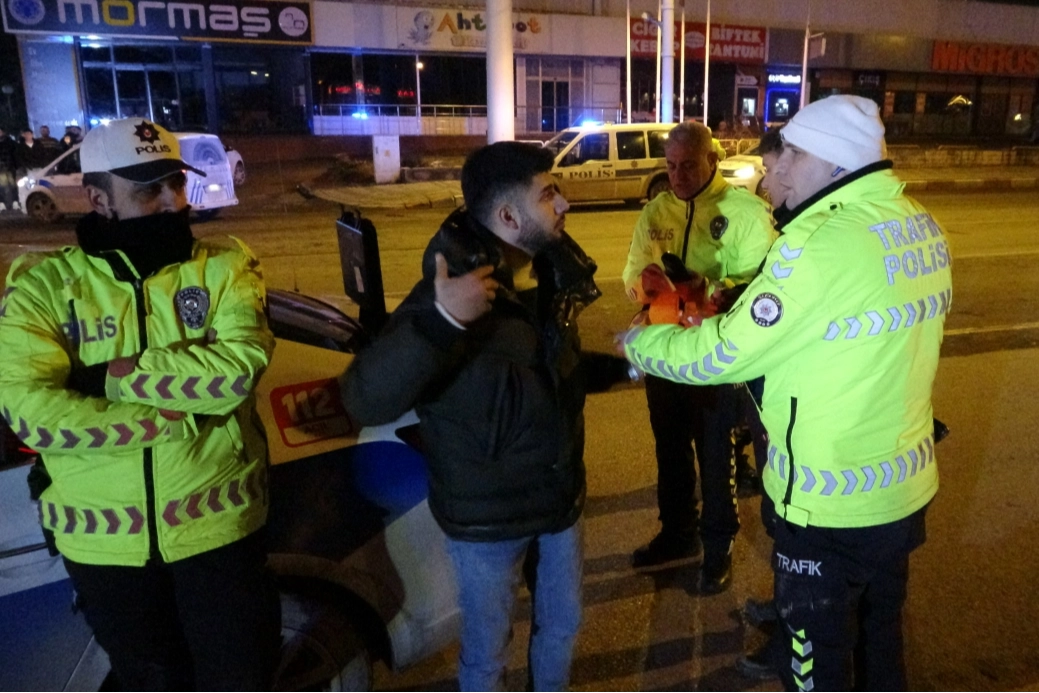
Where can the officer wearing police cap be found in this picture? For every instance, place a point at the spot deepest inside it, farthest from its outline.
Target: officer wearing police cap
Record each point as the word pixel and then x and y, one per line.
pixel 129 364
pixel 845 324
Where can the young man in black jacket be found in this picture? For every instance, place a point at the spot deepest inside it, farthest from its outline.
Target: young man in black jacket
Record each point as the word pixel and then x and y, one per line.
pixel 485 348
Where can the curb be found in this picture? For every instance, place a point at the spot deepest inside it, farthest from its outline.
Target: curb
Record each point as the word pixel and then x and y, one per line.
pixel 972 184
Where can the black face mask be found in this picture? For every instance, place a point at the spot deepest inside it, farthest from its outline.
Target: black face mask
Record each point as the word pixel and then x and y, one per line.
pixel 151 242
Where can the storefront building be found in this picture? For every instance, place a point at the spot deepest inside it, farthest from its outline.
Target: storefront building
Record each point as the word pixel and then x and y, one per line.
pixel 241 66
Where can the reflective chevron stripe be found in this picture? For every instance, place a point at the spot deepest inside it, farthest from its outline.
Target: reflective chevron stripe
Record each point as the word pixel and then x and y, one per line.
pixel 180 510
pixel 802 662
pixel 714 363
pixel 93 519
pixel 155 387
pixel 780 271
pixel 825 482
pixel 904 316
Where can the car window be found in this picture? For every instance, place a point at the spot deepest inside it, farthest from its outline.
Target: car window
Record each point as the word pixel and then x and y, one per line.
pixel 631 145
pixel 559 142
pixel 657 140
pixel 592 147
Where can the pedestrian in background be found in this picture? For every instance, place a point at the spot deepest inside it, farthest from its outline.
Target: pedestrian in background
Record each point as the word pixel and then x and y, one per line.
pixel 845 323
pixel 485 348
pixel 28 154
pixel 721 233
pixel 107 351
pixel 50 148
pixel 8 167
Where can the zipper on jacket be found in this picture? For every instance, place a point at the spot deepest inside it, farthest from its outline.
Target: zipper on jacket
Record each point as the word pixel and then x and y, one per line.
pixel 690 209
pixel 149 461
pixel 790 450
pixel 121 270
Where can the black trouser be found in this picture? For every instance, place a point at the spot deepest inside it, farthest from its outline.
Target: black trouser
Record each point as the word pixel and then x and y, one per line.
pixel 211 622
pixel 681 415
pixel 839 594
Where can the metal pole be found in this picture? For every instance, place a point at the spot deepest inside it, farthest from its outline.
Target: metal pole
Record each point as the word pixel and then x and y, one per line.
pixel 501 95
pixel 681 70
pixel 656 107
pixel 418 93
pixel 804 57
pixel 707 63
pixel 667 72
pixel 628 55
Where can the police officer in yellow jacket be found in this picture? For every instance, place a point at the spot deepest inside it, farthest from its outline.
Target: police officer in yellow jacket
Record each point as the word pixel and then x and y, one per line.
pixel 720 233
pixel 129 362
pixel 845 323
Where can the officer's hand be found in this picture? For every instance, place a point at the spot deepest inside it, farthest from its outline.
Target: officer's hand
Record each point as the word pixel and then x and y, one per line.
pixel 723 300
pixel 465 297
pixel 122 367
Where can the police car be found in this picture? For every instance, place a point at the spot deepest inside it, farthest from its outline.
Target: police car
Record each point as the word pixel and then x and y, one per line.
pixel 362 565
pixel 626 162
pixel 50 192
pixel 743 171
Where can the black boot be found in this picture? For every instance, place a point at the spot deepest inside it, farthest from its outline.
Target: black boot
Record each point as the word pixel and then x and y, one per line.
pixel 667 548
pixel 716 574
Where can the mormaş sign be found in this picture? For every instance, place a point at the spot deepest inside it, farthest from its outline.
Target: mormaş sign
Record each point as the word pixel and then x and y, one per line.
pixel 273 21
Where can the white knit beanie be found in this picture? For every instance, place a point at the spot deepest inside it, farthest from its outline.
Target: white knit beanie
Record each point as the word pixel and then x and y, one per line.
pixel 844 130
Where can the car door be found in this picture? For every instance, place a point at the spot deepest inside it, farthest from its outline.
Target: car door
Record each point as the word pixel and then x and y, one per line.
pixel 633 164
pixel 585 170
pixel 65 181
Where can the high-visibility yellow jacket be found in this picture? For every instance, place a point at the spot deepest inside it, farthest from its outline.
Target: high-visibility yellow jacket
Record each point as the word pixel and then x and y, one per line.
pixel 845 323
pixel 730 230
pixel 128 482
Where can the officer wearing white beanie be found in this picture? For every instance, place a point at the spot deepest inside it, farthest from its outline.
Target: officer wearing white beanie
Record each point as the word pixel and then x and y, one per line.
pixel 843 326
pixel 845 130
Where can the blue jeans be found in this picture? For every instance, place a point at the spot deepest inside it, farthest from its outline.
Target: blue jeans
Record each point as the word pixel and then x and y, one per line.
pixel 488 578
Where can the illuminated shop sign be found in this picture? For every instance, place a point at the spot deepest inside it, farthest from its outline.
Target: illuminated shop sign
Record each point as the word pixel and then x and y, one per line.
pixel 277 21
pixel 784 79
pixel 985 59
pixel 729 43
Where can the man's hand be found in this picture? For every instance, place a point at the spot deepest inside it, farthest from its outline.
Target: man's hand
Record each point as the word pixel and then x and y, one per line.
pixel 468 296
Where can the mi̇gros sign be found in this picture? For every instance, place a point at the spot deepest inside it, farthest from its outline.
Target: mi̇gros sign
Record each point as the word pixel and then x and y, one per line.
pixel 277 21
pixel 985 59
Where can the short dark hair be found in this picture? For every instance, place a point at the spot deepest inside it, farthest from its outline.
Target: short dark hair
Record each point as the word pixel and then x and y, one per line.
pixel 99 179
pixel 496 170
pixel 770 143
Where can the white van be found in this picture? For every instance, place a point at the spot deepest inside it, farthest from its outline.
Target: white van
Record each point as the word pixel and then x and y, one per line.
pixel 626 162
pixel 611 162
pixel 50 192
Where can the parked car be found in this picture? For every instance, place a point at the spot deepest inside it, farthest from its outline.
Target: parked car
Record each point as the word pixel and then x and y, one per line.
pixel 50 192
pixel 234 160
pixel 626 162
pixel 611 162
pixel 743 171
pixel 362 565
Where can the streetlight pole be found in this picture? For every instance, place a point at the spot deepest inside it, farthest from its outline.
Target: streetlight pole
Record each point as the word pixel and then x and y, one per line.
pixel 707 63
pixel 627 53
pixel 656 107
pixel 667 72
pixel 681 70
pixel 418 93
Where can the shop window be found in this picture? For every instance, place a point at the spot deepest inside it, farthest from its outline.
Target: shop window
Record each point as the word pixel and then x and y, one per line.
pixel 148 55
pixel 905 102
pixel 96 54
pixel 631 145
